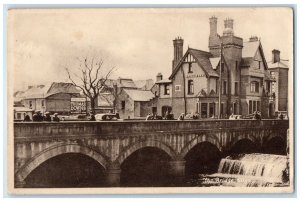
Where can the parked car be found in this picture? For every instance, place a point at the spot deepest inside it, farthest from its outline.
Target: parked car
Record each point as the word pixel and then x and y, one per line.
pixel 234 117
pixel 106 117
pixel 77 117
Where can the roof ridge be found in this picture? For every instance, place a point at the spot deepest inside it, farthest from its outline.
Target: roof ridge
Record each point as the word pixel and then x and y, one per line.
pixel 199 50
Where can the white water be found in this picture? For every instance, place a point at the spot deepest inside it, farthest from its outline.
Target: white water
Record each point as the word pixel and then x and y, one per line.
pixel 250 170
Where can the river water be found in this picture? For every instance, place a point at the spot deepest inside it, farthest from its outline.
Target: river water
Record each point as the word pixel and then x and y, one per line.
pixel 247 170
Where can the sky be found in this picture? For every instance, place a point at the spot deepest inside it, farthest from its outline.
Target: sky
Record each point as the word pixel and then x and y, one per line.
pixel 137 42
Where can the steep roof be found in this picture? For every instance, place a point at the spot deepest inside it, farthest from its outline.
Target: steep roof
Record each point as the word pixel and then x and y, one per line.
pixel 139 95
pixel 250 48
pixel 125 83
pixel 35 92
pixel 203 60
pixel 43 91
pixel 249 51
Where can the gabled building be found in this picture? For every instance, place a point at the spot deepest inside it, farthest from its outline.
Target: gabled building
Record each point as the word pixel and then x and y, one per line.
pixel 240 74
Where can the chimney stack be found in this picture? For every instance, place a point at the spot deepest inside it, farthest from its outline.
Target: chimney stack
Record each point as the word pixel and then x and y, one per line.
pixel 228 31
pixel 275 56
pixel 159 77
pixel 178 51
pixel 213 22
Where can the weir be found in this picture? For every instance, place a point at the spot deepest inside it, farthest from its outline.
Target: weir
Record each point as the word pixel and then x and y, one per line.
pixel 251 170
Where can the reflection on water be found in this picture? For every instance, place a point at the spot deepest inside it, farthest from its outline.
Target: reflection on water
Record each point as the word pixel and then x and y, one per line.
pixel 247 170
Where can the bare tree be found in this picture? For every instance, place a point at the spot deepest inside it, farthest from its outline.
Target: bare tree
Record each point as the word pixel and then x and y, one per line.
pixel 112 95
pixel 89 79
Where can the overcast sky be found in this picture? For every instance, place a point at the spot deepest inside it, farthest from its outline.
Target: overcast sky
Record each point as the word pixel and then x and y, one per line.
pixel 136 41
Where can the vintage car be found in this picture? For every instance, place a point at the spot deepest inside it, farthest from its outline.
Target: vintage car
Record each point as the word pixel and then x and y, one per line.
pixel 107 117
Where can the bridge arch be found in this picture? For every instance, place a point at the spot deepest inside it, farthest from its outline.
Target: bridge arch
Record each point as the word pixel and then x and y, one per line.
pixel 142 144
pixel 232 143
pixel 51 152
pixel 275 144
pixel 202 138
pixel 276 135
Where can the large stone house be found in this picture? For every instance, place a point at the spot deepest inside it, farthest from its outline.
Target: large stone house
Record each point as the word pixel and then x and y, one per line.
pixel 194 84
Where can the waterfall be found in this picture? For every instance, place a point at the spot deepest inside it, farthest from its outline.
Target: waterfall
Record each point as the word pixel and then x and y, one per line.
pixel 260 165
pixel 252 170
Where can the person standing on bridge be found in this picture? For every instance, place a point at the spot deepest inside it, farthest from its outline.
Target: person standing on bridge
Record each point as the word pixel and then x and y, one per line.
pixel 181 117
pixel 92 118
pixel 47 117
pixel 55 118
pixel 37 117
pixel 27 118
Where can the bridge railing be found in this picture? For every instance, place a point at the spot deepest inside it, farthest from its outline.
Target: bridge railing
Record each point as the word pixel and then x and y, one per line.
pixel 42 129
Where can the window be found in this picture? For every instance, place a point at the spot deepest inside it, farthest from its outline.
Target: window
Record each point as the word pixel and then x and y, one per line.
pixel 190 68
pixel 19 116
pixel 268 86
pixel 30 104
pixel 42 103
pixel 222 109
pixel 236 88
pixel 177 88
pixel 259 63
pixel 222 67
pixel 224 87
pixel 254 106
pixel 254 87
pixel 236 66
pixel 211 109
pixel 123 104
pixel 272 74
pixel 167 90
pixel 203 110
pixel 190 87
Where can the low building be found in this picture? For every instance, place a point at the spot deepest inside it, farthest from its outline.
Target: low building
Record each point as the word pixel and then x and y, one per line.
pixel 52 98
pixel 134 103
pixel 122 92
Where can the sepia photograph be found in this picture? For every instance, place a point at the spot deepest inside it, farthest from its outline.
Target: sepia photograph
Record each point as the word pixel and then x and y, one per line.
pixel 178 100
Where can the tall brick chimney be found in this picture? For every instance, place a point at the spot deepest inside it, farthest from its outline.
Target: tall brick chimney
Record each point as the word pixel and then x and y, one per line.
pixel 228 24
pixel 214 39
pixel 159 77
pixel 275 56
pixel 178 51
pixel 213 22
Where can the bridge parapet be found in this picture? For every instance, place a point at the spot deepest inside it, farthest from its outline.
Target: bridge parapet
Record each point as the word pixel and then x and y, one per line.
pixel 49 129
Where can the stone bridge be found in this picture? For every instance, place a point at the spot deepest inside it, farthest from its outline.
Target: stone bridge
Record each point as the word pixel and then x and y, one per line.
pixel 111 143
